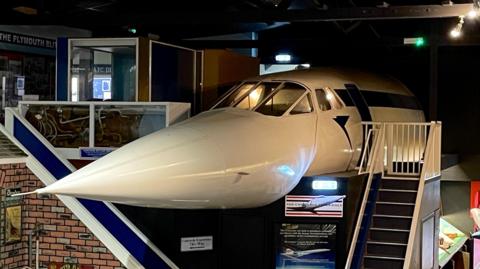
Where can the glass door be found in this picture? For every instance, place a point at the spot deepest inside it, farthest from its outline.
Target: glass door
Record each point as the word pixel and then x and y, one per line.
pixel 103 70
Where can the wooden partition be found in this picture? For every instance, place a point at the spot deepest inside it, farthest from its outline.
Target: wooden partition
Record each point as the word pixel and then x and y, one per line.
pixel 221 70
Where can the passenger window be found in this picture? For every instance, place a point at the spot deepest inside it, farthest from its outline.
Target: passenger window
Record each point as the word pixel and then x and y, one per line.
pixel 282 100
pixel 322 100
pixel 304 106
pixel 256 96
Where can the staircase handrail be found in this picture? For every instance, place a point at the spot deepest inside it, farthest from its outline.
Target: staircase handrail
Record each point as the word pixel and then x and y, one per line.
pixel 377 150
pixel 430 169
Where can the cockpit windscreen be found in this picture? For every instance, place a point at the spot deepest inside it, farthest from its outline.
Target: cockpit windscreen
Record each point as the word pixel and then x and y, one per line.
pixel 281 100
pixel 268 98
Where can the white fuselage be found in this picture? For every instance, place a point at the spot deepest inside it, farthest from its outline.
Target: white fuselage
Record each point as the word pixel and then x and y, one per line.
pixel 247 154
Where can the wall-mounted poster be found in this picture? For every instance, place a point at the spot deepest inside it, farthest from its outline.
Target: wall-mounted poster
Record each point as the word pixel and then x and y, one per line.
pixel 326 206
pixel 304 246
pixel 13 222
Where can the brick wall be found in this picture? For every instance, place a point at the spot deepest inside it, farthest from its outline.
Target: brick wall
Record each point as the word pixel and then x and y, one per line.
pixel 66 239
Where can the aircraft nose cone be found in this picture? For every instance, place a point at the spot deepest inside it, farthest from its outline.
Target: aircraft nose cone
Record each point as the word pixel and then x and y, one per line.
pixel 162 165
pixel 218 159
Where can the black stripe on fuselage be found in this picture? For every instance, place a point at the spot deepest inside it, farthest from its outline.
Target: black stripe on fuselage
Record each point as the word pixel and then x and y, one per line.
pixel 381 99
pixel 359 101
pixel 362 107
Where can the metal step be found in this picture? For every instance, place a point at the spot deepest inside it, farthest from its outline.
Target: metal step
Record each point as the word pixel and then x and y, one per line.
pixel 382 262
pixel 399 184
pixel 398 190
pixel 390 230
pixel 391 222
pixel 386 243
pixel 389 235
pixel 391 216
pixel 384 257
pixel 389 249
pixel 397 196
pixel 400 209
pixel 395 203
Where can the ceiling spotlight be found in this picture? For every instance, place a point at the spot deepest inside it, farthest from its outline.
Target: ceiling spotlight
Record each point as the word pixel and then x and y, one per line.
pixel 457 31
pixel 472 14
pixel 475 9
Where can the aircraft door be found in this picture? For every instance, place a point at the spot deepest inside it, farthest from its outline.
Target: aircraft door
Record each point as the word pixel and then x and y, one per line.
pixel 334 149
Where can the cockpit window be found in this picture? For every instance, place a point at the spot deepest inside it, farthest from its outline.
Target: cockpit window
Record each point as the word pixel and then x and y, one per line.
pixel 322 100
pixel 234 96
pixel 282 100
pixel 304 106
pixel 257 95
pixel 327 99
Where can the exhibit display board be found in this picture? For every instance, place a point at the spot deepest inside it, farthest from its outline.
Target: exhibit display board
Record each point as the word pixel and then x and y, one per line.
pixel 451 240
pixel 303 246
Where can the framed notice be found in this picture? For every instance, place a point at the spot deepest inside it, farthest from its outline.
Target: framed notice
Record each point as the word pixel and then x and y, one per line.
pixel 13 223
pixel 302 245
pixel 198 243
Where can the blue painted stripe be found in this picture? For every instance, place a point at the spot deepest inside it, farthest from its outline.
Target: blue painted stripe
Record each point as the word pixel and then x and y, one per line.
pixel 62 69
pixel 366 222
pixel 141 251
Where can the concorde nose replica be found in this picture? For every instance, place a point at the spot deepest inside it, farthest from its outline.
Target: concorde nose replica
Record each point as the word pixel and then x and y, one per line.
pixel 252 147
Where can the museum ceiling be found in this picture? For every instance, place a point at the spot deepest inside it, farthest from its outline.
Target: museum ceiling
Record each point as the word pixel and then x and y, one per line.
pixel 299 21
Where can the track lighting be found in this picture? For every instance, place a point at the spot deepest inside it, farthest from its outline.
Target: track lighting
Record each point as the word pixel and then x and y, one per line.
pixel 457 31
pixel 472 14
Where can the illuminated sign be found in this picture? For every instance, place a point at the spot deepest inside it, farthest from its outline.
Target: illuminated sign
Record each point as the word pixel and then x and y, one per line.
pixel 324 185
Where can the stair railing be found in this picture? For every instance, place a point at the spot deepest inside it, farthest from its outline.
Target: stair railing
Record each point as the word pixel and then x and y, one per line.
pixel 375 136
pixel 431 169
pixel 399 149
pixel 370 129
pixel 406 143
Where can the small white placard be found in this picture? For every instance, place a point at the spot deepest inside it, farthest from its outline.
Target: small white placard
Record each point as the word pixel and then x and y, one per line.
pixel 30 97
pixel 196 243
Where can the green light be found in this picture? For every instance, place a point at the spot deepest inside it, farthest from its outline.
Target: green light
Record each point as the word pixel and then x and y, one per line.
pixel 132 30
pixel 420 42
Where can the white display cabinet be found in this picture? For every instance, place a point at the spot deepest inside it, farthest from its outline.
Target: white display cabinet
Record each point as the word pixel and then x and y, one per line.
pixel 88 130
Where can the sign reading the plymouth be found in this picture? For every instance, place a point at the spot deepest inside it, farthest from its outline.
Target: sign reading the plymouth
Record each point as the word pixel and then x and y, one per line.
pixel 26 40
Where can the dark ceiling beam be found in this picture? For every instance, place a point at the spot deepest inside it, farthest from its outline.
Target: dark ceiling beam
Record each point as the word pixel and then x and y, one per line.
pixel 160 18
pixel 473 40
pixel 358 13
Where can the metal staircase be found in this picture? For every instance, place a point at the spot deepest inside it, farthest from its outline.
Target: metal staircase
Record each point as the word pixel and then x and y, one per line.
pixel 8 149
pixel 401 156
pixel 388 234
pixel 132 248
